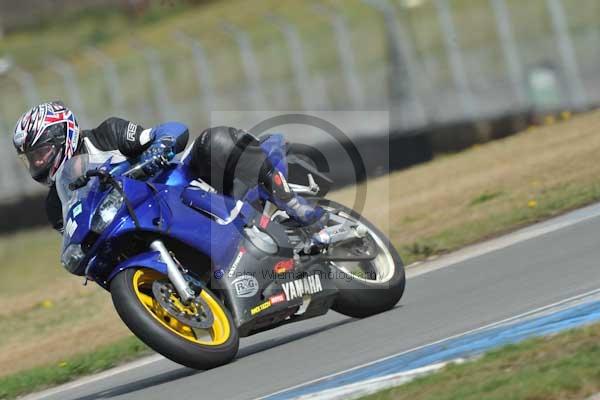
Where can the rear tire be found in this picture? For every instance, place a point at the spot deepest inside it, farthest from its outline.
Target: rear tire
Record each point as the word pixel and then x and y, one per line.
pixel 361 298
pixel 146 326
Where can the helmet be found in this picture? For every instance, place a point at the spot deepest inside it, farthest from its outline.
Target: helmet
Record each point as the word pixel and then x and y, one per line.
pixel 45 137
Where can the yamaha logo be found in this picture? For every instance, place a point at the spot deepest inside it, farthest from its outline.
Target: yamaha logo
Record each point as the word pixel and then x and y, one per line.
pixel 300 287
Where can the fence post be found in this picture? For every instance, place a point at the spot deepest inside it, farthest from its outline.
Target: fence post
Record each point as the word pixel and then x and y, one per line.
pixel 28 86
pixel 567 53
pixel 65 70
pixel 250 65
pixel 459 73
pixel 321 93
pixel 346 54
pixel 159 85
pixel 405 73
pixel 111 77
pixel 297 59
pixel 510 50
pixel 202 68
pixel 7 175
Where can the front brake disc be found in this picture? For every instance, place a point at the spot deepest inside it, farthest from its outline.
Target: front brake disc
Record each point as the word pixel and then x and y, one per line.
pixel 197 314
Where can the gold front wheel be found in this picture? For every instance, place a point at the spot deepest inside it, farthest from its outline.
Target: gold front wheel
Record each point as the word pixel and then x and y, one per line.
pixel 217 334
pixel 199 335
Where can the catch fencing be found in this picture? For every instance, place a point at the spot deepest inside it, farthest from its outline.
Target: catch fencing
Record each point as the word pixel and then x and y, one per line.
pixel 430 62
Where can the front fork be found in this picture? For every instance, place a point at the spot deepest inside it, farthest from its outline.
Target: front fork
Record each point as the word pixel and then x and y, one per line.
pixel 186 294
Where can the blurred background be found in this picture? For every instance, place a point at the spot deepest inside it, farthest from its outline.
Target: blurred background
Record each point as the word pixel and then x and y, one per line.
pixel 451 72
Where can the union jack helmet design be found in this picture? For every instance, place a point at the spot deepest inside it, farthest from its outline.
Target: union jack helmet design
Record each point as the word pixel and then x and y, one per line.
pixel 45 137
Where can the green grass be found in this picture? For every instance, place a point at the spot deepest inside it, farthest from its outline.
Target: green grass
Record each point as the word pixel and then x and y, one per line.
pixel 84 364
pixel 565 366
pixel 484 197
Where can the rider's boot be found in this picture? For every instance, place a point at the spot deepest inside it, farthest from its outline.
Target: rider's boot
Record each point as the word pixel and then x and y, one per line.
pixel 295 206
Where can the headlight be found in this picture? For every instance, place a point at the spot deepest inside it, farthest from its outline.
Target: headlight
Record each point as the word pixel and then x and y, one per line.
pixel 72 257
pixel 107 210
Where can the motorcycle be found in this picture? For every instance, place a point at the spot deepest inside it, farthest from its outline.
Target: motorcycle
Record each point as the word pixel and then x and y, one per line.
pixel 190 270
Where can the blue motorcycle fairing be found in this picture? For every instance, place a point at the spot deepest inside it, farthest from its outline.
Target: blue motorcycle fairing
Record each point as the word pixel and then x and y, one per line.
pixel 201 232
pixel 159 208
pixel 175 174
pixel 81 213
pixel 149 259
pixel 160 213
pixel 222 207
pixel 122 223
pixel 177 221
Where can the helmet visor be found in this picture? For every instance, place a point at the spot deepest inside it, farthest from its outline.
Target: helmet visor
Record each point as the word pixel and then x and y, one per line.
pixel 39 160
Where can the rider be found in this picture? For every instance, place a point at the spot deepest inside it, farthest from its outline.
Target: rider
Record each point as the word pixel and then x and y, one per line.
pixel 48 135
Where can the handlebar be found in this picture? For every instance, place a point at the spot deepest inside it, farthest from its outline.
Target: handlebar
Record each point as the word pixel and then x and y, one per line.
pixel 85 178
pixel 135 172
pixel 138 171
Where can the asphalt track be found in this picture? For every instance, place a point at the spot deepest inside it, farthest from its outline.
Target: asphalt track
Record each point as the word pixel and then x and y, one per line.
pixel 528 269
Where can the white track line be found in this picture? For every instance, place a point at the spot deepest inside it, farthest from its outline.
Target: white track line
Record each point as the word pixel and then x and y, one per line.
pixel 414 270
pixel 95 378
pixel 531 232
pixel 364 388
pixel 488 326
pixel 369 386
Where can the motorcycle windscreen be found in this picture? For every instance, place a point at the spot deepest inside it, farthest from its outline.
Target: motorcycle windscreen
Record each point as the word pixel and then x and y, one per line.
pixel 67 174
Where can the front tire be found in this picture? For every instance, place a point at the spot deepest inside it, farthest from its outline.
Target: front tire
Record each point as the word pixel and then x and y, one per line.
pixel 360 297
pixel 132 296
